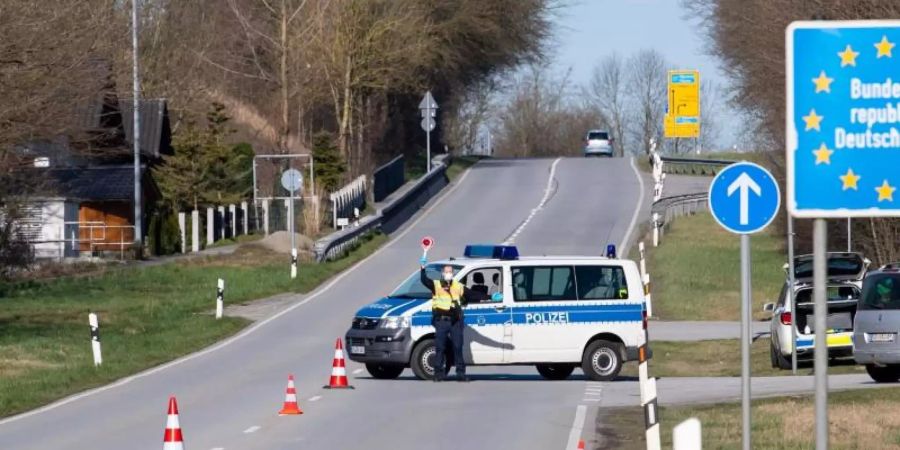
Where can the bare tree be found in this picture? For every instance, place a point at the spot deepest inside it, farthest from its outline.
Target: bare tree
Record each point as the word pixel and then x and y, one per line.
pixel 647 86
pixel 711 112
pixel 607 90
pixel 467 120
pixel 541 117
pixel 368 48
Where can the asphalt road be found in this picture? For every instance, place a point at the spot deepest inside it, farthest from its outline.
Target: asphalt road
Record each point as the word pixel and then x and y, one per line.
pixel 230 394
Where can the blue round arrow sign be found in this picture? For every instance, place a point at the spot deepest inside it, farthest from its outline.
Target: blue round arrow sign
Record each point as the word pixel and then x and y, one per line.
pixel 744 198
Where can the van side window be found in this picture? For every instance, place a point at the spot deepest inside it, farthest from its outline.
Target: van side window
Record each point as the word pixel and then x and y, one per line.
pixel 486 280
pixel 601 283
pixel 543 283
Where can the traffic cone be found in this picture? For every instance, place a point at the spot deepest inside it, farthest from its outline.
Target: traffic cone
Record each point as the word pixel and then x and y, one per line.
pixel 580 445
pixel 338 370
pixel 290 407
pixel 172 440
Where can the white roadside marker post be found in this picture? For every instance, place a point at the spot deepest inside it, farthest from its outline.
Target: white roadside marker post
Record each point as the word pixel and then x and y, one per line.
pixel 293 263
pixel 220 298
pixel 687 435
pixel 95 339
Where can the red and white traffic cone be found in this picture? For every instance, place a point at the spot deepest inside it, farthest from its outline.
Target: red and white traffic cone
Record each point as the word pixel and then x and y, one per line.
pixel 338 370
pixel 290 408
pixel 173 440
pixel 580 445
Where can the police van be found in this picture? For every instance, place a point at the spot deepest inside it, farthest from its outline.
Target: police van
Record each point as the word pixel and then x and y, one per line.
pixel 556 313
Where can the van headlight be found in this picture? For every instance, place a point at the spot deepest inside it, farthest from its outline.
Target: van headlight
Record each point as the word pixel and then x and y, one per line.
pixel 393 323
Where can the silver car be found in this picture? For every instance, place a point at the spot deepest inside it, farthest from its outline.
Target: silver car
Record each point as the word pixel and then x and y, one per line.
pixel 875 340
pixel 597 143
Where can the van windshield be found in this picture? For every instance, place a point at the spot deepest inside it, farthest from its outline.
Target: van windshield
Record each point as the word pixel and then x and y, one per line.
pixel 881 292
pixel 413 287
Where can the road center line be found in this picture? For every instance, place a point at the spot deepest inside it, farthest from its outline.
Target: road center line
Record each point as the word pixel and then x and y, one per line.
pixel 547 190
pixel 252 429
pixel 577 425
pixel 623 246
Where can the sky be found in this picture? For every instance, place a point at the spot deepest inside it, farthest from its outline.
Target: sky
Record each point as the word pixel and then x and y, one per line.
pixel 589 30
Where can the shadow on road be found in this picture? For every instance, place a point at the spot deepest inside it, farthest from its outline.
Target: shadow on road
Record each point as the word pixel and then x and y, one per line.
pixel 507 377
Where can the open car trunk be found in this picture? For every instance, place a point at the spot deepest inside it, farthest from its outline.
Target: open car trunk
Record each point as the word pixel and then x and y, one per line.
pixel 841 316
pixel 842 302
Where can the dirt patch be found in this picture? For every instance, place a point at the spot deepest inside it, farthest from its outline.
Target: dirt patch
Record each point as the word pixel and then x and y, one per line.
pixel 15 361
pixel 280 242
pixel 619 428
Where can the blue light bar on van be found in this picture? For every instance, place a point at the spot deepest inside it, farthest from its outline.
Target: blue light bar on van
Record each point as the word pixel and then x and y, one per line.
pixel 611 251
pixel 492 251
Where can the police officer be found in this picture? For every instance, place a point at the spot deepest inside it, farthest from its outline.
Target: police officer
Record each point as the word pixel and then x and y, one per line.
pixel 448 298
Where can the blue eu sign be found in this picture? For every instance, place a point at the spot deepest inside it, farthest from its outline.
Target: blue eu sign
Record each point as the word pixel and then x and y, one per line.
pixel 843 119
pixel 744 198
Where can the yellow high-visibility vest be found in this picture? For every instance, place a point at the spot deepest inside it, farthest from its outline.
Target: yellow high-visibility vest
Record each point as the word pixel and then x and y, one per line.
pixel 444 299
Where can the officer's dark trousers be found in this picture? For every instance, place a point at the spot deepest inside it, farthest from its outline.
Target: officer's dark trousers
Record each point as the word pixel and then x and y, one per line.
pixel 445 330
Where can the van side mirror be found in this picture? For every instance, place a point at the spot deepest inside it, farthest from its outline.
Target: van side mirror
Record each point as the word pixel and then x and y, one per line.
pixel 769 307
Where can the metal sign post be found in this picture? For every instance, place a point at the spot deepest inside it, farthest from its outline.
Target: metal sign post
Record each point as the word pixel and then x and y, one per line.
pixel 744 198
pixel 841 159
pixel 428 110
pixel 292 180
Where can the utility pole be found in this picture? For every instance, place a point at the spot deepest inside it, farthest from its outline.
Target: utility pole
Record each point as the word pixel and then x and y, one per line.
pixel 136 135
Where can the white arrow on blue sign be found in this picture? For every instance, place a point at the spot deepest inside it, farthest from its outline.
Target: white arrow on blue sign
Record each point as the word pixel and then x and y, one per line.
pixel 744 198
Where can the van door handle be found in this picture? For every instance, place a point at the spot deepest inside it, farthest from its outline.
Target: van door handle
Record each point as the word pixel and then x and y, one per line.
pixel 500 308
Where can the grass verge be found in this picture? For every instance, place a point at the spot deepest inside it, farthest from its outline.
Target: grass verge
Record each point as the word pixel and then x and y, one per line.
pixel 695 272
pixel 861 419
pixel 722 358
pixel 147 316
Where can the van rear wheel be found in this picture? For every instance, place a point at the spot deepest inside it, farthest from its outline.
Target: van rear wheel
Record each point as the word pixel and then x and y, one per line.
pixel 602 360
pixel 886 374
pixel 555 371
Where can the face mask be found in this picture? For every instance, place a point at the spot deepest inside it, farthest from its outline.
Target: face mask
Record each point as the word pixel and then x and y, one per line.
pixel 448 276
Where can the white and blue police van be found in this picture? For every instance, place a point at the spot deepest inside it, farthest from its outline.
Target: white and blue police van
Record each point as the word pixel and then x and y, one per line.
pixel 556 313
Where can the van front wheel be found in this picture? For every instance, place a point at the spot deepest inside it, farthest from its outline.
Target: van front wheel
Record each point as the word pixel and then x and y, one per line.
pixel 602 360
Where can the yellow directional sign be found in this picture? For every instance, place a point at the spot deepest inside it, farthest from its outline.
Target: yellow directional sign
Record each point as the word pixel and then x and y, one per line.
pixel 683 111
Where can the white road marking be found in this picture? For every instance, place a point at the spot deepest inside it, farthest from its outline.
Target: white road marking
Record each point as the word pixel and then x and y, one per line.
pixel 252 429
pixel 547 191
pixel 219 448
pixel 637 210
pixel 315 398
pixel 357 371
pixel 577 425
pixel 247 331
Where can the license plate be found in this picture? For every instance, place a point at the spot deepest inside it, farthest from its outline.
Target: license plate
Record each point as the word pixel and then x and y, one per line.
pixel 357 350
pixel 839 339
pixel 881 337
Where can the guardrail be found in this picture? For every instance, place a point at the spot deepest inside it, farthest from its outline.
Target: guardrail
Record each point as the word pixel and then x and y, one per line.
pixel 693 166
pixel 388 178
pixel 664 210
pixel 387 219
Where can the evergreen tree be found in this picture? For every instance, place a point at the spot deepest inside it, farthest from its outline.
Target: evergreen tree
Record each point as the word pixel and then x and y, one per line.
pixel 204 168
pixel 329 164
